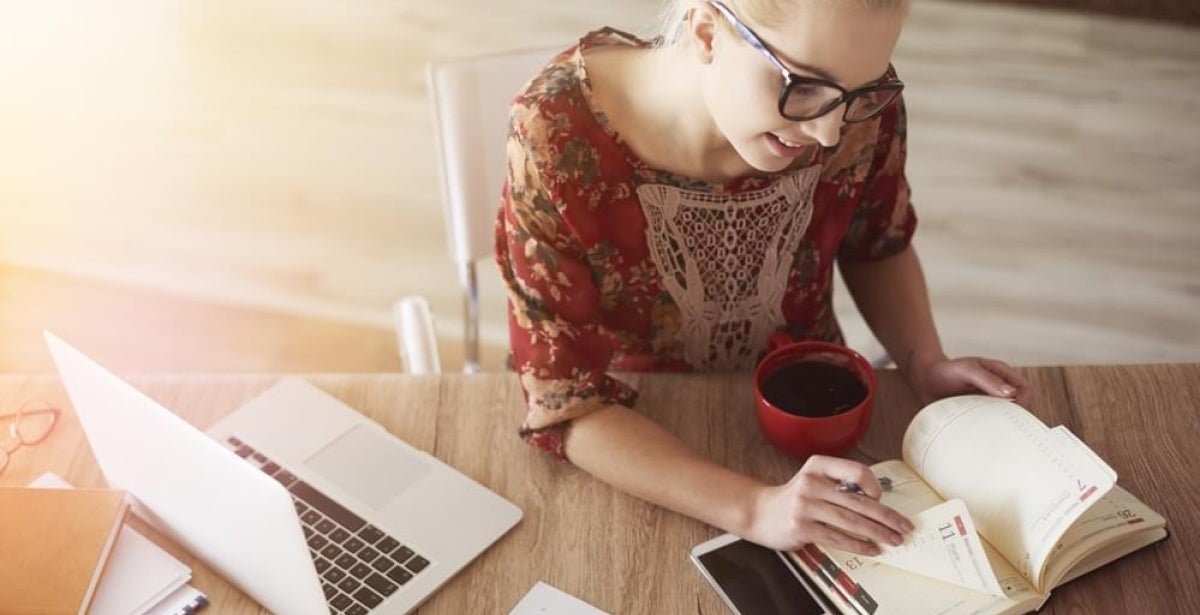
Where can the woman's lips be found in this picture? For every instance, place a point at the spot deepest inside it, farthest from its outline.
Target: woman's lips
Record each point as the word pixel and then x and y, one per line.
pixel 784 150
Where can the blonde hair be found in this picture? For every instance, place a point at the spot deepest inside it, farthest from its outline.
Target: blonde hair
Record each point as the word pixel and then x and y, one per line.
pixel 671 17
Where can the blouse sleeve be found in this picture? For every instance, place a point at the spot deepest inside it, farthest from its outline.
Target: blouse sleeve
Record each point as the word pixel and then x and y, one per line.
pixel 884 221
pixel 560 346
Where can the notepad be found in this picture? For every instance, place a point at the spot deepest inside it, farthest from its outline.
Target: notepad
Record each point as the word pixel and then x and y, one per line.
pixel 142 578
pixel 54 544
pixel 1006 508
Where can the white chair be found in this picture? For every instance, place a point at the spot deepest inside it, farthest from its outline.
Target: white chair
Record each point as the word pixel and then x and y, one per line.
pixel 471 98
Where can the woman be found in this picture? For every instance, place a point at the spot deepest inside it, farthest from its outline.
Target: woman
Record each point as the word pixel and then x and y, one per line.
pixel 671 203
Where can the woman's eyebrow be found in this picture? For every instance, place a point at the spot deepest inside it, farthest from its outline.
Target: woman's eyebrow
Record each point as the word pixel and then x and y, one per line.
pixel 828 77
pixel 813 70
pixel 792 65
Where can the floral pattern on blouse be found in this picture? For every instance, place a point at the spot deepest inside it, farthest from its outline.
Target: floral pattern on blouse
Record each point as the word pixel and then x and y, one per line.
pixel 580 252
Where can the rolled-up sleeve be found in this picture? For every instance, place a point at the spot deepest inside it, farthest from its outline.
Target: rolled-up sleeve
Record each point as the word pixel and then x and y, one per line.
pixel 884 220
pixel 560 347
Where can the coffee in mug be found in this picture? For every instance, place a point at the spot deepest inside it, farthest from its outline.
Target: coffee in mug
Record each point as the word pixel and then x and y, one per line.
pixel 813 388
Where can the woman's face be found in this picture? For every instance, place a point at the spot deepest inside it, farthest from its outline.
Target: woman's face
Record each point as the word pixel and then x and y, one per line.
pixel 836 40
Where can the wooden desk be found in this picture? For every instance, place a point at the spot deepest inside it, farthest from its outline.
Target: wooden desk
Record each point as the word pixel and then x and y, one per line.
pixel 626 556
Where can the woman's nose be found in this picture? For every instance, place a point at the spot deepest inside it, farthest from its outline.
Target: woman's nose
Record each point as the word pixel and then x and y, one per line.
pixel 827 129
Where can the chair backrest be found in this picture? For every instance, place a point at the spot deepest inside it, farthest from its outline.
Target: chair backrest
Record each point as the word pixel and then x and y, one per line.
pixel 471 100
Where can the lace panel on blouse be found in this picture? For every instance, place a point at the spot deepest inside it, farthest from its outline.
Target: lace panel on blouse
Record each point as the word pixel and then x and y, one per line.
pixel 725 260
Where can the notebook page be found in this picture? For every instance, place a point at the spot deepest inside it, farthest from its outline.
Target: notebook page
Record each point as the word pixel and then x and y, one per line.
pixel 1071 444
pixel 944 545
pixel 882 589
pixel 1024 488
pixel 1116 514
pixel 879 589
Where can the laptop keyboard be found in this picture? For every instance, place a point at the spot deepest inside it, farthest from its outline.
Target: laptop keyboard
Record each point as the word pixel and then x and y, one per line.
pixel 359 564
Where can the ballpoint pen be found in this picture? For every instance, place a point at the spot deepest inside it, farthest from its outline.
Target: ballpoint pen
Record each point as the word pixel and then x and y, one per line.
pixel 885 484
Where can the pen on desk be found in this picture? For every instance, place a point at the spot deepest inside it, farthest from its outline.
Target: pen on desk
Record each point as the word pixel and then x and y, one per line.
pixel 885 484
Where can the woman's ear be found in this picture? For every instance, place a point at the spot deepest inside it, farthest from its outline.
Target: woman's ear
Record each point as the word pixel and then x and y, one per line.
pixel 700 26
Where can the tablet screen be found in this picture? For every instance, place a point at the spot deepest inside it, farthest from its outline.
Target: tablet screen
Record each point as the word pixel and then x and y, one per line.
pixel 758 582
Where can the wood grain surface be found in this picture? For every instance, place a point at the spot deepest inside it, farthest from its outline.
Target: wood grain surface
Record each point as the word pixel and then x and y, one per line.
pixel 626 556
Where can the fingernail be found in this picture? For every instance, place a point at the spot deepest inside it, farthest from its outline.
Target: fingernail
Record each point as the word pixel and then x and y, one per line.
pixel 874 550
pixel 908 526
pixel 1007 390
pixel 896 540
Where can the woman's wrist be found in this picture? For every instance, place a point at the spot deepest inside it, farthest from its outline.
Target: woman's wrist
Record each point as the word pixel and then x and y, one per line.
pixel 752 515
pixel 916 362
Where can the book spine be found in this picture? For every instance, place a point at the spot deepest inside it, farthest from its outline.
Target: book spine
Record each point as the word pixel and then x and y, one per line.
pixel 824 565
pixel 828 586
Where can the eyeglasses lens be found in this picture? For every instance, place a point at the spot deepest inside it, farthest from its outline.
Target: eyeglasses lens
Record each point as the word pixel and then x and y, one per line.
pixel 809 101
pixel 34 426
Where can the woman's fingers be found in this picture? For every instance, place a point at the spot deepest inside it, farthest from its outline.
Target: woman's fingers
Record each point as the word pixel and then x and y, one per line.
pixel 844 470
pixel 1005 371
pixel 989 381
pixel 1012 376
pixel 825 535
pixel 875 511
pixel 820 481
pixel 853 524
pixel 824 488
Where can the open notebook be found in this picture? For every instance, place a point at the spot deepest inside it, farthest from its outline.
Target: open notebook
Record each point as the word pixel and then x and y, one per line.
pixel 1005 508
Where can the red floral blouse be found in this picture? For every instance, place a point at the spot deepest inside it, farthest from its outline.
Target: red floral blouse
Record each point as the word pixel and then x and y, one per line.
pixel 614 266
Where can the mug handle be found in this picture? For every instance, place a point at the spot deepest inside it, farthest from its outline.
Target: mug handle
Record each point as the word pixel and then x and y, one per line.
pixel 777 340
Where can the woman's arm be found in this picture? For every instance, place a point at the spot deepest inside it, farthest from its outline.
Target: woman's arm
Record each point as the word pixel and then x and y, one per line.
pixel 893 299
pixel 637 456
pixel 891 296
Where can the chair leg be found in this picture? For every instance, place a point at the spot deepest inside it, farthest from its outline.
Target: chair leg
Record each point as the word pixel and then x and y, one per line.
pixel 415 335
pixel 471 318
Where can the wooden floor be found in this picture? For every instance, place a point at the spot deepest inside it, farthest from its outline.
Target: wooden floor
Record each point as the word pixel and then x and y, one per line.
pixel 247 185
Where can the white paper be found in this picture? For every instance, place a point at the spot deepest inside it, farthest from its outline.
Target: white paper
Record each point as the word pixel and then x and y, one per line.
pixel 945 545
pixel 546 599
pixel 139 573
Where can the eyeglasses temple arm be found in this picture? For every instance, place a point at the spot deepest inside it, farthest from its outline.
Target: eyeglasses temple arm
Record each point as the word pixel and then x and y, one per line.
pixel 751 38
pixel 54 411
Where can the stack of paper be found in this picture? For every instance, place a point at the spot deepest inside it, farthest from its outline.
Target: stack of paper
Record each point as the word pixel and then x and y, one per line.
pixel 544 599
pixel 141 578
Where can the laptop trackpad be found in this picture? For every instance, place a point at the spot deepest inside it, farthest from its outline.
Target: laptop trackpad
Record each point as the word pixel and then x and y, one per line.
pixel 369 465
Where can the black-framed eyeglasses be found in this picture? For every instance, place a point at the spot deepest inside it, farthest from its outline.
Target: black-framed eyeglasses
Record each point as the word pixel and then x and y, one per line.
pixel 808 98
pixel 29 425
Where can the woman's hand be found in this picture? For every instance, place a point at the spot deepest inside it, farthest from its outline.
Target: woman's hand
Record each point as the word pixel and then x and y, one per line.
pixel 943 377
pixel 809 508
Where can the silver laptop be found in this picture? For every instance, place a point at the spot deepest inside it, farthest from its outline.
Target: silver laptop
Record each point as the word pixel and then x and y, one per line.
pixel 296 498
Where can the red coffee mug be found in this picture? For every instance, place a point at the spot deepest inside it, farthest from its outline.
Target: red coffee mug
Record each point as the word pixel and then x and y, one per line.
pixel 802 436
